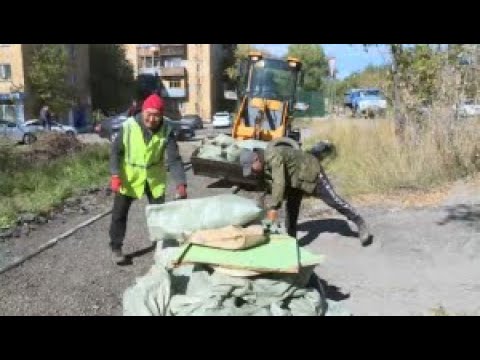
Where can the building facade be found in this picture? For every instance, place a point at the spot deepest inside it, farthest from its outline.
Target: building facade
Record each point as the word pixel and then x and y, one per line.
pixel 191 75
pixel 17 102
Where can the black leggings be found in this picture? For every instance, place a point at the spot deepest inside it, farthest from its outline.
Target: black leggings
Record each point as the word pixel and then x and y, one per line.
pixel 324 191
pixel 121 206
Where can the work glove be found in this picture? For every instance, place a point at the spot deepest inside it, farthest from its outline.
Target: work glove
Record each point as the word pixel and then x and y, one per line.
pixel 272 215
pixel 115 183
pixel 271 227
pixel 181 192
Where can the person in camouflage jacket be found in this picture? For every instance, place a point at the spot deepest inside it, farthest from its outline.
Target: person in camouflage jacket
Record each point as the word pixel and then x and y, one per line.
pixel 289 174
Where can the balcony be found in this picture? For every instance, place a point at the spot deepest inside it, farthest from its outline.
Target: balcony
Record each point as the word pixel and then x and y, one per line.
pixel 172 49
pixel 147 51
pixel 172 71
pixel 149 71
pixel 175 92
pixel 178 71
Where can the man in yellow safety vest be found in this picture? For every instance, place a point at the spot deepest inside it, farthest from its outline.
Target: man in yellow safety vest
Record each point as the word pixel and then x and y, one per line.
pixel 137 166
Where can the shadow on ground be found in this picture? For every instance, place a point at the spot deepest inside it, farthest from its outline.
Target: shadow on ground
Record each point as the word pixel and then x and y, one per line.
pixel 316 227
pixel 129 257
pixel 470 214
pixel 222 183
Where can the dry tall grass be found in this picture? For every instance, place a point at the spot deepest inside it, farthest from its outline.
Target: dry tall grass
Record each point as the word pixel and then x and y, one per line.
pixel 372 159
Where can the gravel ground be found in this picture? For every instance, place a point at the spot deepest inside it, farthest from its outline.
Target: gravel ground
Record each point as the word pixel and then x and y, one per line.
pixel 421 258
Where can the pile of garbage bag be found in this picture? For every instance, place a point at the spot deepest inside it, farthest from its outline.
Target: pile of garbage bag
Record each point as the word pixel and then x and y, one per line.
pixel 197 290
pixel 172 288
pixel 225 148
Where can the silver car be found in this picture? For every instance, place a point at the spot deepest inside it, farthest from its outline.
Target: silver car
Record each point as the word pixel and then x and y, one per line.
pixel 36 125
pixel 16 132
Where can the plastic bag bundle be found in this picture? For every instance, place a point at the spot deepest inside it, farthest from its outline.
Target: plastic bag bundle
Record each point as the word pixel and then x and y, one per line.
pixel 178 219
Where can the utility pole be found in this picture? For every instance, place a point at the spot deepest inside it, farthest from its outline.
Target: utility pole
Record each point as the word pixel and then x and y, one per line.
pixel 332 64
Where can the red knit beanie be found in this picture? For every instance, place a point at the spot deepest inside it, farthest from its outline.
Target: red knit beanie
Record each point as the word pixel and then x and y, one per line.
pixel 153 102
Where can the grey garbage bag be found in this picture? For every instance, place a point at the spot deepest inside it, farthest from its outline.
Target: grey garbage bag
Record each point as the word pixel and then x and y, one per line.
pixel 198 292
pixel 179 219
pixel 252 144
pixel 210 152
pixel 223 140
pixel 150 296
pixel 233 153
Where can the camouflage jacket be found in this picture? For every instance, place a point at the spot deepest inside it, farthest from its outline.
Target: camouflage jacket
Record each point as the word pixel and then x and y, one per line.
pixel 286 167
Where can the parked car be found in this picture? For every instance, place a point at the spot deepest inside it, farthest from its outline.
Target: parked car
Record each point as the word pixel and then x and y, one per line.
pixel 36 125
pixel 468 108
pixel 366 102
pixel 222 119
pixel 196 120
pixel 16 132
pixel 108 128
pixel 184 130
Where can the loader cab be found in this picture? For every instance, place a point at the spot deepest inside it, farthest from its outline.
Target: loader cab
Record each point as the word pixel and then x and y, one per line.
pixel 267 89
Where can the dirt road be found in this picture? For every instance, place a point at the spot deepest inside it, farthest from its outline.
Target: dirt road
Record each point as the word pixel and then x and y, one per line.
pixel 415 264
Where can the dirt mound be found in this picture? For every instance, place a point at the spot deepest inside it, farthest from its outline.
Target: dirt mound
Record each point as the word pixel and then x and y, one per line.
pixel 51 146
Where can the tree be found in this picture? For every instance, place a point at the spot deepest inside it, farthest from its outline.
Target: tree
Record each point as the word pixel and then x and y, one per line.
pixel 416 74
pixel 111 77
pixel 239 54
pixel 315 64
pixel 371 76
pixel 47 75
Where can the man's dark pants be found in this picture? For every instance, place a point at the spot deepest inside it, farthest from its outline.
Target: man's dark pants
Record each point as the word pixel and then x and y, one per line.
pixel 324 191
pixel 121 206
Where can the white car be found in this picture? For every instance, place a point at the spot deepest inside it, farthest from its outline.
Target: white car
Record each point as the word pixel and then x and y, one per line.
pixel 36 125
pixel 222 119
pixel 468 108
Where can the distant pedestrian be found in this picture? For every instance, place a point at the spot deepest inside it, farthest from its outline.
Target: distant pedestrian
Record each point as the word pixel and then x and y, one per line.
pixel 46 118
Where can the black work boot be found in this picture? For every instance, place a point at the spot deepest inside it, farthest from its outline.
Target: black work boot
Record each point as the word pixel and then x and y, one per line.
pixel 366 238
pixel 117 256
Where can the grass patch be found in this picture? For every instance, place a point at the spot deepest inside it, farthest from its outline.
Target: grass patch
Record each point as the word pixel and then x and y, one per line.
pixel 371 159
pixel 39 187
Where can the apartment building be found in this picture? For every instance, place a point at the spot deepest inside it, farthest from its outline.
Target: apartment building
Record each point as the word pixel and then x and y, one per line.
pixel 17 102
pixel 191 75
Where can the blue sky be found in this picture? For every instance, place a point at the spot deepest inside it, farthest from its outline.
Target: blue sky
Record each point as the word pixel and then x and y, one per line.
pixel 350 58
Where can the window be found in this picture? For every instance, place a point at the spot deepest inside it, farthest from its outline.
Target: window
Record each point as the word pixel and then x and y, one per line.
pixel 7 112
pixel 5 72
pixel 149 61
pixel 173 62
pixel 174 83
